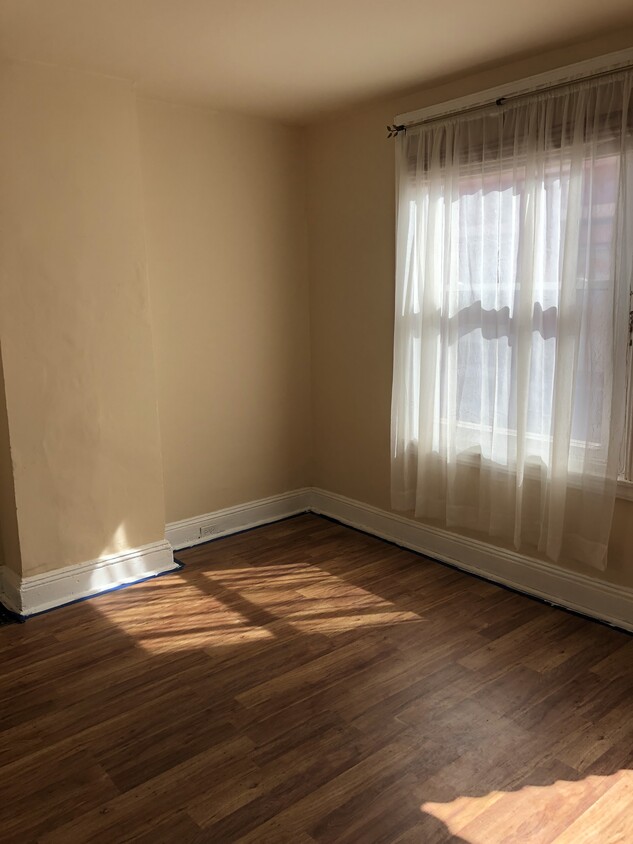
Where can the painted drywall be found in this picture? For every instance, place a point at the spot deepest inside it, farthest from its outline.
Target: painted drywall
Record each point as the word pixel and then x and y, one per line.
pixel 351 220
pixel 74 319
pixel 226 244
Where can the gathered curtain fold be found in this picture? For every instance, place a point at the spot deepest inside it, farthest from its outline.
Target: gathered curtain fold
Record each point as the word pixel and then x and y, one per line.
pixel 513 280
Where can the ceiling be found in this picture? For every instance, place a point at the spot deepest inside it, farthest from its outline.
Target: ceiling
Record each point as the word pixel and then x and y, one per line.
pixel 292 59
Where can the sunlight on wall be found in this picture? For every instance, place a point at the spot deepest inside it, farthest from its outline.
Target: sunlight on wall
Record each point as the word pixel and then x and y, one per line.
pixel 118 563
pixel 118 541
pixel 542 813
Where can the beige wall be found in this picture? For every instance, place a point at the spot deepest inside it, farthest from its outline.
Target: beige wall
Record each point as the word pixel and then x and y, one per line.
pixel 351 220
pixel 226 240
pixel 74 318
pixel 217 207
pixel 268 377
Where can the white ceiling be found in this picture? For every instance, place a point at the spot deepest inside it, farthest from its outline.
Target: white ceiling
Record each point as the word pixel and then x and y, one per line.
pixel 292 59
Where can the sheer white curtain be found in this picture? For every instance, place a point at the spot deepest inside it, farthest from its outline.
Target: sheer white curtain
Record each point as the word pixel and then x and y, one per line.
pixel 514 262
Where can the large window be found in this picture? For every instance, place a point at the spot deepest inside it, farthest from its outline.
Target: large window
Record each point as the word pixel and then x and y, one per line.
pixel 511 335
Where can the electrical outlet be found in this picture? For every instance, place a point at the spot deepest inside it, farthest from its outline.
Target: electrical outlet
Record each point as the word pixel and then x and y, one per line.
pixel 208 530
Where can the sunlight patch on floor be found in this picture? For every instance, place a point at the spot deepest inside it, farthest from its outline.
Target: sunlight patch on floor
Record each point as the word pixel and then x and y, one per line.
pixel 233 606
pixel 152 614
pixel 296 598
pixel 202 638
pixel 324 623
pixel 543 813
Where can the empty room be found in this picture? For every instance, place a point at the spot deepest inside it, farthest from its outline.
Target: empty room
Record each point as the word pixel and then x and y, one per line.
pixel 316 422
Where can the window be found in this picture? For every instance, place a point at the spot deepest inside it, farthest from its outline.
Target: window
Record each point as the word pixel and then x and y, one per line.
pixel 511 334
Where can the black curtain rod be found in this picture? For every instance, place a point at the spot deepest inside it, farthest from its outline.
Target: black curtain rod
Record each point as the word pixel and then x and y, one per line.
pixel 394 130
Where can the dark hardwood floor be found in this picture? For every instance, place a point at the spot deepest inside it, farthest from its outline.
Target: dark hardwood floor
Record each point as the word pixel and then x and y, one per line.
pixel 303 683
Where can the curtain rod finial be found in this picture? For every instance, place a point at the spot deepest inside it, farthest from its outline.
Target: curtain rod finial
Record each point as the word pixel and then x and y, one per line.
pixel 394 131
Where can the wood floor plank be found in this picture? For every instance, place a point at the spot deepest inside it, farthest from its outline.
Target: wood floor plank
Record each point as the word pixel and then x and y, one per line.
pixel 607 820
pixel 136 809
pixel 307 683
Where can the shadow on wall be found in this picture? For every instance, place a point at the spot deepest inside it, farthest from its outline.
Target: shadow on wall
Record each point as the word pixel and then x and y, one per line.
pixel 9 543
pixel 308 680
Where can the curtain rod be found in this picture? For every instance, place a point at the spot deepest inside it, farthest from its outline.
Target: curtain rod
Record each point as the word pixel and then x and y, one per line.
pixel 394 130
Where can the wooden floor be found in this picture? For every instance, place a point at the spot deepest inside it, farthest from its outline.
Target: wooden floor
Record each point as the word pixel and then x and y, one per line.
pixel 303 683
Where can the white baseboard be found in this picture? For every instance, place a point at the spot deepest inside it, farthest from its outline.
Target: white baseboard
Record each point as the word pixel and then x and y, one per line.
pixel 587 595
pixel 30 595
pixel 199 529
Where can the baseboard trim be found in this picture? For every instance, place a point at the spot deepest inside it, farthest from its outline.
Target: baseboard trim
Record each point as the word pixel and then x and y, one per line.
pixel 199 529
pixel 580 593
pixel 28 596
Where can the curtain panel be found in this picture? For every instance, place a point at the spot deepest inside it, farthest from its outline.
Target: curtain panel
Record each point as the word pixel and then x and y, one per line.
pixel 513 280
